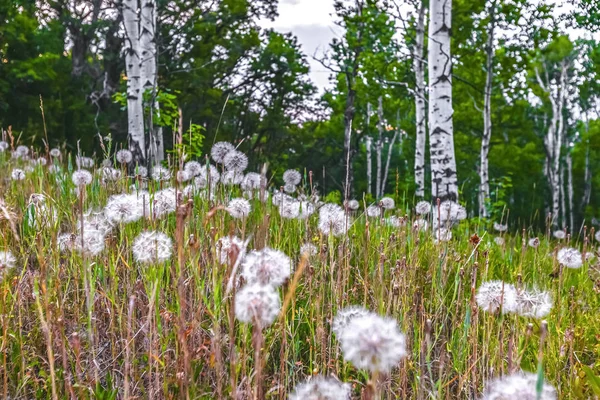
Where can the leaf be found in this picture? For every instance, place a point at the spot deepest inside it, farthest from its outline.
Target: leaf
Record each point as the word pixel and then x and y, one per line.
pixel 593 380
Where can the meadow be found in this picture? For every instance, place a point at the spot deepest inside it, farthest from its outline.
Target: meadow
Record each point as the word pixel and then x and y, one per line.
pixel 200 281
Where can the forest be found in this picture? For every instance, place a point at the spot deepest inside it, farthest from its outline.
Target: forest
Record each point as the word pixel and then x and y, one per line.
pixel 523 77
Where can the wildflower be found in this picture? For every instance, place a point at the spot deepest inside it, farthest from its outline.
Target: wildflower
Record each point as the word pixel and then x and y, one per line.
pixel 238 208
pixel 55 153
pixel 41 161
pixel 193 168
pixel 373 211
pixel 500 227
pixel 17 174
pixel 257 304
pixel 292 177
pixel 332 219
pixel 219 150
pixel 210 173
pixel 345 316
pixel 321 388
pixel 182 176
pixel 492 295
pixel 141 171
pixel 226 245
pixel 394 221
pixel 373 342
pixel 253 181
pixel 309 249
pixel 420 224
pixel 423 208
pixel 451 212
pixel 124 156
pixel 569 257
pixel 7 260
pixel 597 236
pixel 152 247
pixel 521 386
pixel 534 242
pixel 66 241
pixel 499 241
pixel 387 203
pixel 534 303
pixel 22 151
pixel 164 202
pixel 443 234
pixel 306 210
pixel 289 188
pixel 84 162
pixel 96 222
pixel 81 177
pixel 235 161
pixel 54 169
pixel 90 243
pixel 289 209
pixel 3 146
pixel 352 205
pixel 279 198
pixel 160 173
pixel 266 267
pixel 232 178
pixel 43 213
pixel 110 174
pixel 123 208
pixel 559 234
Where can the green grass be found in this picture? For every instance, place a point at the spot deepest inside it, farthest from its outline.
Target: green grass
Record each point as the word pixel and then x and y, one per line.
pixel 106 327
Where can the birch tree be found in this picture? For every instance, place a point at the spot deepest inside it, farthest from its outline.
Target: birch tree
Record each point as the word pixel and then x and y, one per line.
pixel 444 181
pixel 379 145
pixel 421 129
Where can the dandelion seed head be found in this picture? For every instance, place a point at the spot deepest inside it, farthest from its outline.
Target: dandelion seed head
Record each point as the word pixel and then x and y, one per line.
pixel 219 150
pixel 55 153
pixel 521 386
pixel 81 177
pixel 22 151
pixel 373 211
pixel 394 221
pixel 559 234
pixel 110 174
pixel 183 176
pixel 239 208
pixel 345 316
pixel 41 161
pixel 333 219
pixel 152 247
pixel 534 303
pixel 309 249
pixel 231 178
pixel 235 161
pixel 193 168
pixel 7 261
pixel 279 198
pixel 253 181
pixel 84 162
pixel 306 209
pixel 17 174
pixel 534 242
pixel 292 177
pixel 124 156
pixel 451 212
pixel 43 213
pixel 226 244
pixel 289 188
pixel 160 173
pixel 500 227
pixel 123 208
pixel 353 205
pixel 164 202
pixel 141 171
pixel 387 203
pixel 321 388
pixel 493 295
pixel 3 146
pixel 91 243
pixel 597 236
pixel 499 241
pixel 420 224
pixel 289 209
pixel 373 343
pixel 96 221
pixel 257 304
pixel 423 208
pixel 266 267
pixel 443 234
pixel 569 257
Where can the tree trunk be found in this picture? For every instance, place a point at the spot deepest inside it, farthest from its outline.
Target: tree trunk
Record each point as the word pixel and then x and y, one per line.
pixel 387 162
pixel 379 146
pixel 570 191
pixel 444 181
pixel 421 130
pixel 348 117
pixel 369 167
pixel 587 175
pixel 484 186
pixel 563 209
pixel 135 109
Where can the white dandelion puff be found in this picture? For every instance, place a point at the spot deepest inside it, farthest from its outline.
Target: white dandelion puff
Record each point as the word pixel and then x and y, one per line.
pixel 394 221
pixel 235 161
pixel 183 176
pixel 164 202
pixel 345 316
pixel 306 209
pixel 43 213
pixel 597 236
pixel 493 295
pixel 450 212
pixel 152 247
pixel 81 177
pixel 292 177
pixel 289 209
pixel 110 174
pixel 559 234
pixel 499 241
pixel 420 224
pixel 95 221
pixel 239 208
pixel 41 161
pixel 84 162
pixel 91 243
pixel 22 151
pixel 423 207
pixel 17 174
pixel 123 208
pixel 534 303
pixel 289 188
pixel 231 178
pixel 443 234
pixel 55 153
pixel 321 388
pixel 228 244
pixel 387 203
pixel 124 156
pixel 352 205
pixel 193 168
pixel 7 260
pixel 141 171
pixel 279 198
pixel 520 386
pixel 3 146
pixel 533 242
pixel 570 257
pixel 253 181
pixel 309 249
pixel 372 342
pixel 257 304
pixel 333 219
pixel 160 173
pixel 373 211
pixel 219 150
pixel 266 267
pixel 500 227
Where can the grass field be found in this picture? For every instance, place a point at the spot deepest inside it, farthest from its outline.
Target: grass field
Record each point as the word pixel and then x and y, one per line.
pixel 83 317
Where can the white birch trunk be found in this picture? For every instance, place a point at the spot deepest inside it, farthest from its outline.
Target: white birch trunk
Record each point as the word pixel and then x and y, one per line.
pixel 379 145
pixel 421 129
pixel 587 176
pixel 369 166
pixel 389 159
pixel 135 108
pixel 484 186
pixel 444 181
pixel 570 191
pixel 561 183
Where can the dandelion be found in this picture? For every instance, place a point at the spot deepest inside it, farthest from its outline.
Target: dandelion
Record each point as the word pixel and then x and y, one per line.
pixel 193 168
pixel 292 177
pixel 41 161
pixel 54 169
pixel 152 247
pixel 141 171
pixel 93 221
pixel 210 173
pixel 84 162
pixel 235 161
pixel 228 244
pixel 443 234
pixel 451 212
pixel 253 181
pixel 394 221
pixel 3 146
pixel 182 176
pixel 164 202
pixel 352 205
pixel 569 257
pixel 332 219
pixel 345 316
pixel 238 208
pixel 499 241
pixel 66 242
pixel 81 177
pixel 289 188
pixel 373 211
pixel 597 236
pixel 17 174
pixel 560 235
pixel 534 303
pixel 55 153
pixel 306 210
pixel 219 150
pixel 493 295
pixel 266 267
pixel 533 242
pixel 257 304
pixel 420 225
pixel 500 227
pixel 372 342
pixel 231 178
pixel 7 260
pixel 22 151
pixel 123 208
pixel 520 386
pixel 309 249
pixel 124 156
pixel 321 388
pixel 387 203
pixel 423 208
pixel 160 173
pixel 289 209
pixel 43 213
pixel 110 174
pixel 90 243
pixel 279 198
